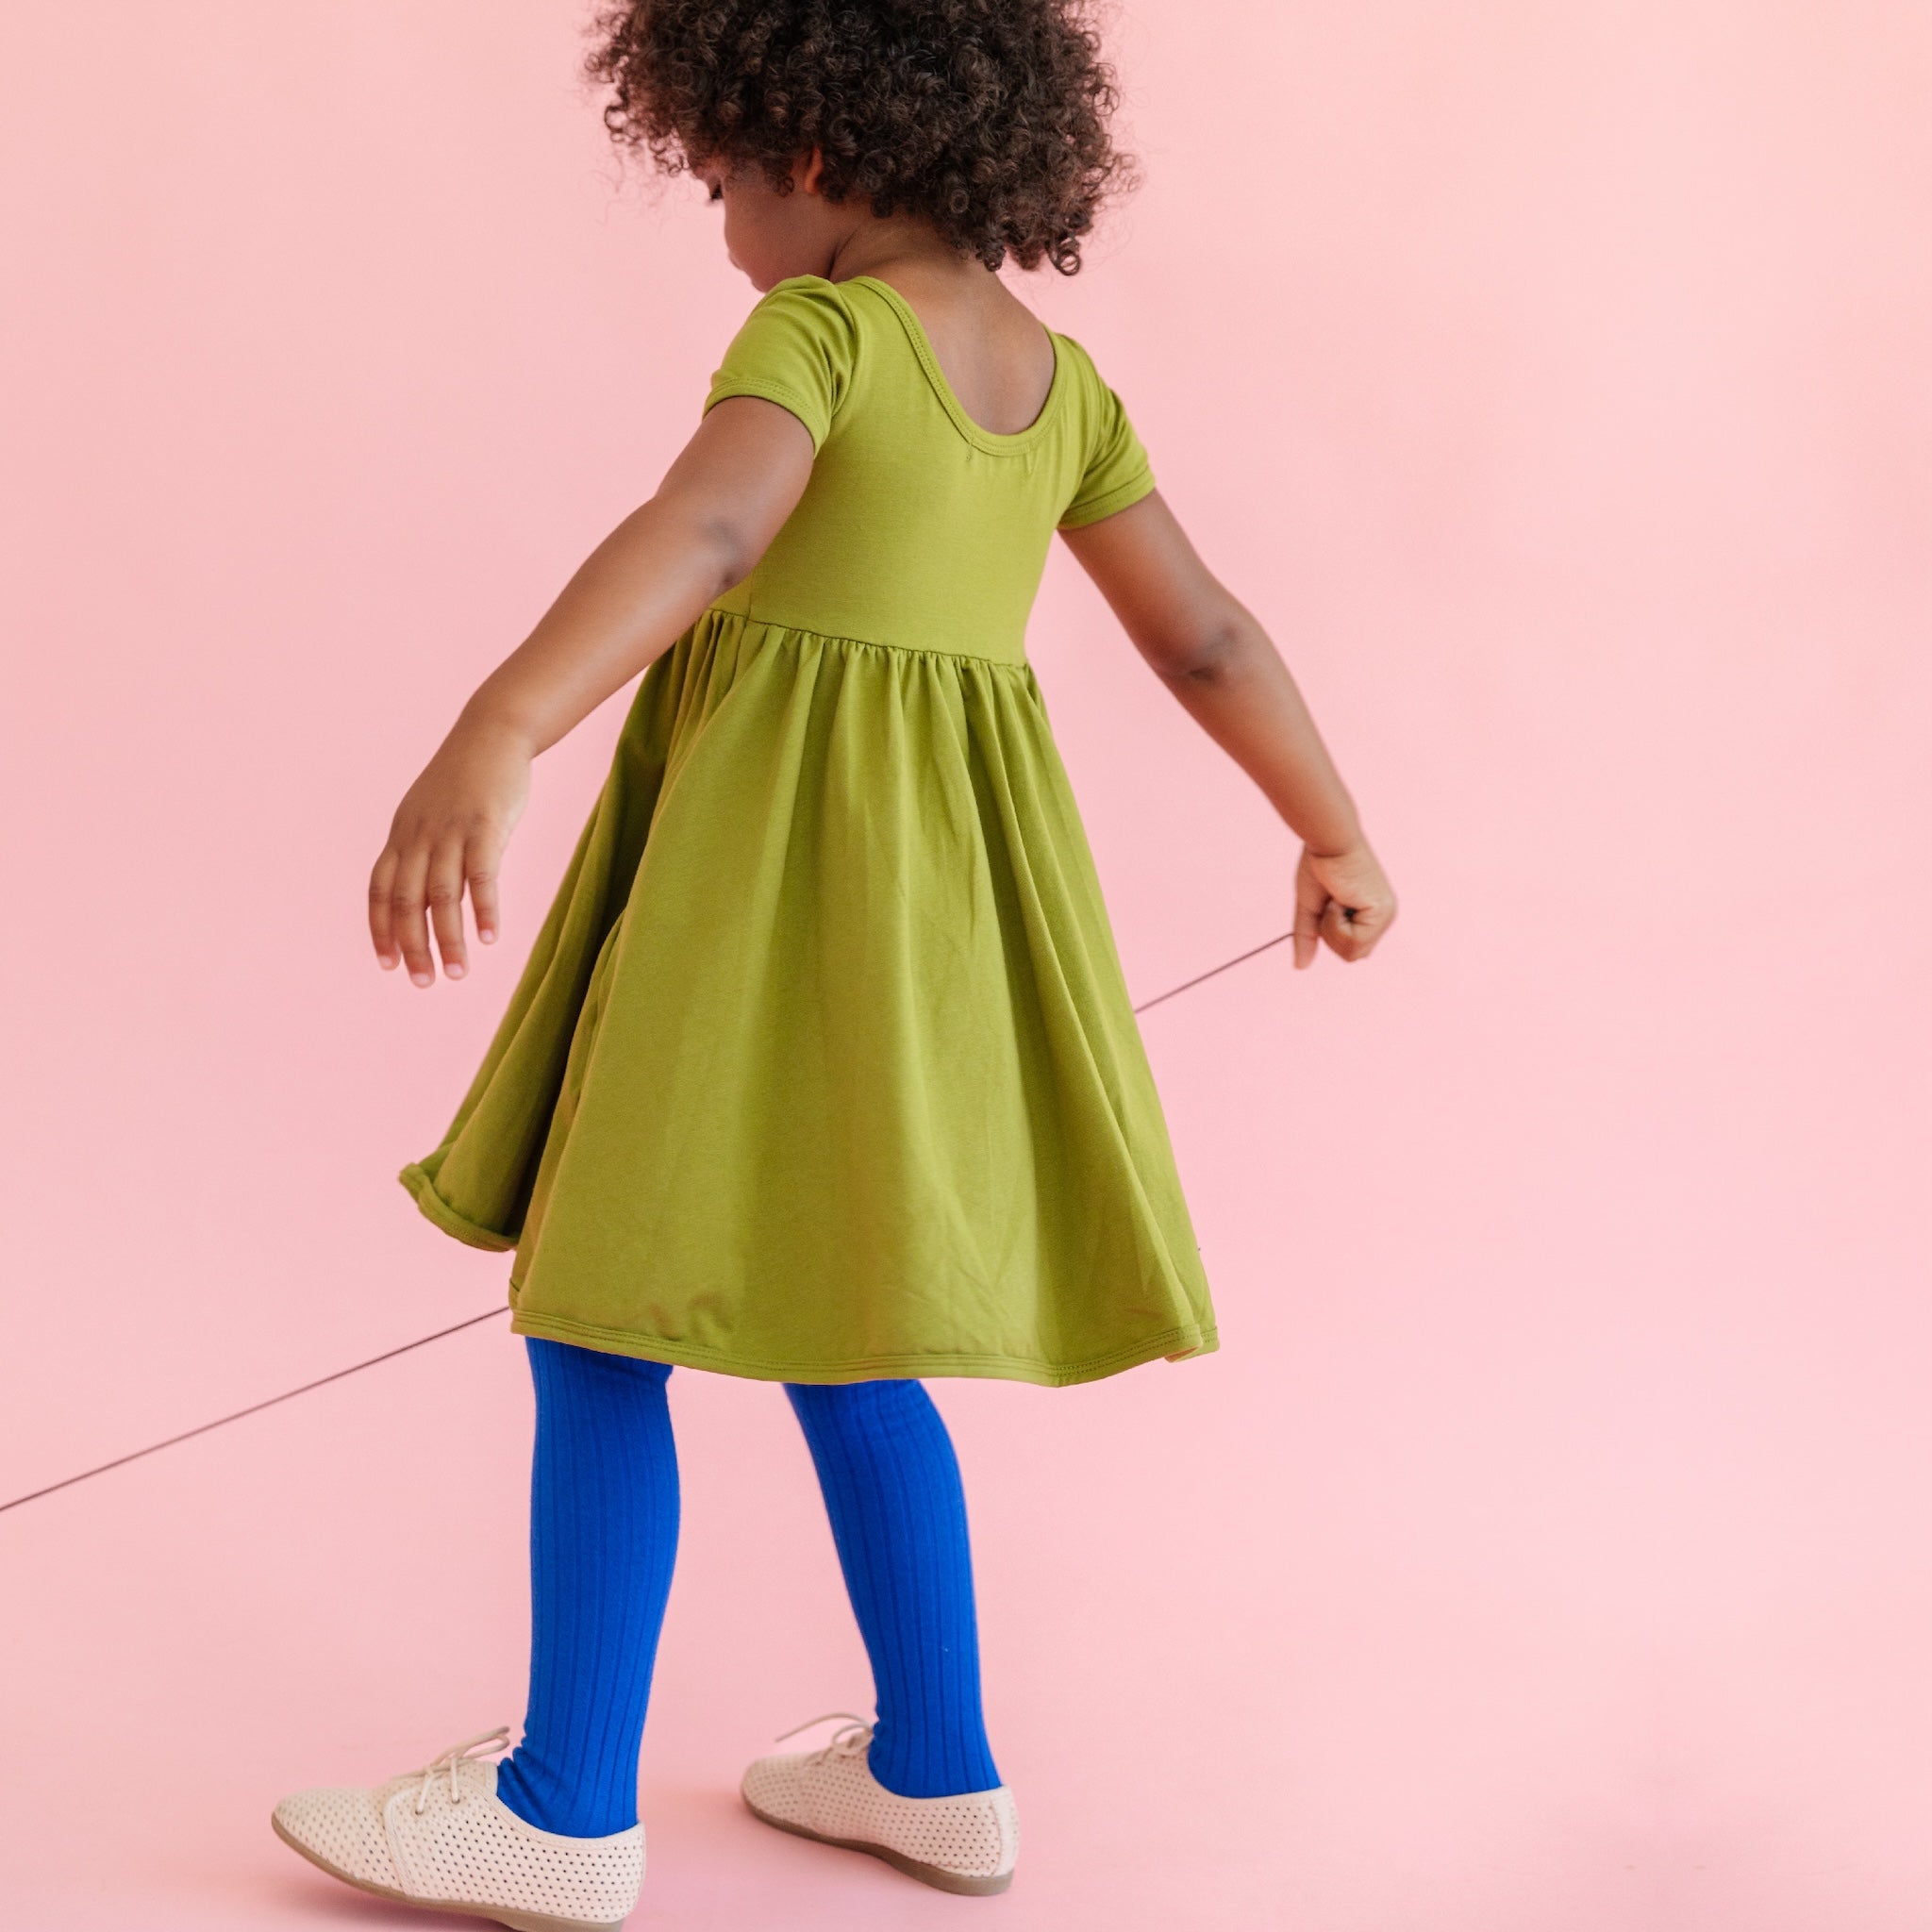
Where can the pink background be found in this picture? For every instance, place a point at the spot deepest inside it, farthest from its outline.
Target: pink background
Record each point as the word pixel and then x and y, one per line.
pixel 1545 1547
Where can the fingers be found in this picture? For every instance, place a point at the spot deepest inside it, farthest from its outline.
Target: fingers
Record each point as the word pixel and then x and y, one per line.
pixel 1308 932
pixel 480 860
pixel 444 887
pixel 407 901
pixel 1337 929
pixel 381 923
pixel 1310 897
pixel 1348 901
pixel 1351 934
pixel 416 894
pixel 447 839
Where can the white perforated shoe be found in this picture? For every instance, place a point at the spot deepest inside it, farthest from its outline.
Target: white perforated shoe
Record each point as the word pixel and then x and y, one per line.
pixel 440 1837
pixel 968 1843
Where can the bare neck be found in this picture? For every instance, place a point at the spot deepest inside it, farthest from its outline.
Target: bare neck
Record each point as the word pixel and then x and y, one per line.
pixel 906 252
pixel 990 347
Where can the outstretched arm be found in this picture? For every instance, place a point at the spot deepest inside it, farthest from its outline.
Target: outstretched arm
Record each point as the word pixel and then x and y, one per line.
pixel 1219 662
pixel 721 503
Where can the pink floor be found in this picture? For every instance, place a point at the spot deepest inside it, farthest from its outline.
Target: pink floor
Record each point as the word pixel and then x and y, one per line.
pixel 1365 1623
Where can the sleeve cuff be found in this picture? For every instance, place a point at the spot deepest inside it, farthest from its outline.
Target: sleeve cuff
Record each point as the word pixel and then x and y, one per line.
pixel 1119 499
pixel 788 399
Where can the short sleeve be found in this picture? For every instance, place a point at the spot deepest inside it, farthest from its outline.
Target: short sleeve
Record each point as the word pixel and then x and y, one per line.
pixel 1117 472
pixel 796 350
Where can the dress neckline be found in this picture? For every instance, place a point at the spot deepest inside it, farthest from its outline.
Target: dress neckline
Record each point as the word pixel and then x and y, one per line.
pixel 975 432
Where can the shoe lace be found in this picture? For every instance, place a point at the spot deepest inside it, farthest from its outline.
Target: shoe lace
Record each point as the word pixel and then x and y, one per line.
pixel 851 1738
pixel 486 1744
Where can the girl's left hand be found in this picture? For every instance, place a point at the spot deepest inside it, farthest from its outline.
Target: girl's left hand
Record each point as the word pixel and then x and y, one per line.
pixel 1342 898
pixel 448 837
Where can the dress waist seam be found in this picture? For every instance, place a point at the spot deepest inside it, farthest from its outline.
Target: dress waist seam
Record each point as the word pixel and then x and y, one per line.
pixel 826 637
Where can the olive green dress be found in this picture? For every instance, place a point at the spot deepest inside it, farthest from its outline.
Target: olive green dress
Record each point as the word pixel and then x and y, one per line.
pixel 822 1067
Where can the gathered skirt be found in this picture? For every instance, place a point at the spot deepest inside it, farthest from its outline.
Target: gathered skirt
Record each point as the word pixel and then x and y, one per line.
pixel 822 1067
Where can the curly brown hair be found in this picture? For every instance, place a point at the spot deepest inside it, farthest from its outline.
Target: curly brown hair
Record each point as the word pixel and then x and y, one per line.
pixel 986 117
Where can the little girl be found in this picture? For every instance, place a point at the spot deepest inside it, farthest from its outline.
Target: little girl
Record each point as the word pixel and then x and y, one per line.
pixel 822 1069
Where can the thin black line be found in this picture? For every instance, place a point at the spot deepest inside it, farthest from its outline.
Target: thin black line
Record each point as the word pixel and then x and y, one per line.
pixel 423 1340
pixel 253 1409
pixel 1224 965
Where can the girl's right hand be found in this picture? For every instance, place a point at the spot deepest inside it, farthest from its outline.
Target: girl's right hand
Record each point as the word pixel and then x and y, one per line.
pixel 448 836
pixel 1342 900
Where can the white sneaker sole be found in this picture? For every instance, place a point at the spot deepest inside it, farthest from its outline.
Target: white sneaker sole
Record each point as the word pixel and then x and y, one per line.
pixel 503 1915
pixel 937 1876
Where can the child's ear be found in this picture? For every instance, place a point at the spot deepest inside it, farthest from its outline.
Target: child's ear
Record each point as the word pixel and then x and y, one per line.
pixel 814 169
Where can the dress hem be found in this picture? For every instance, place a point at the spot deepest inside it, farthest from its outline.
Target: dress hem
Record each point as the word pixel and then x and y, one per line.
pixel 438 1211
pixel 1175 1344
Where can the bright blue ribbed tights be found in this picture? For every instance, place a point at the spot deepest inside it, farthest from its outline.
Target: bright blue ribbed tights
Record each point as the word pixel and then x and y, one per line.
pixel 602 1537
